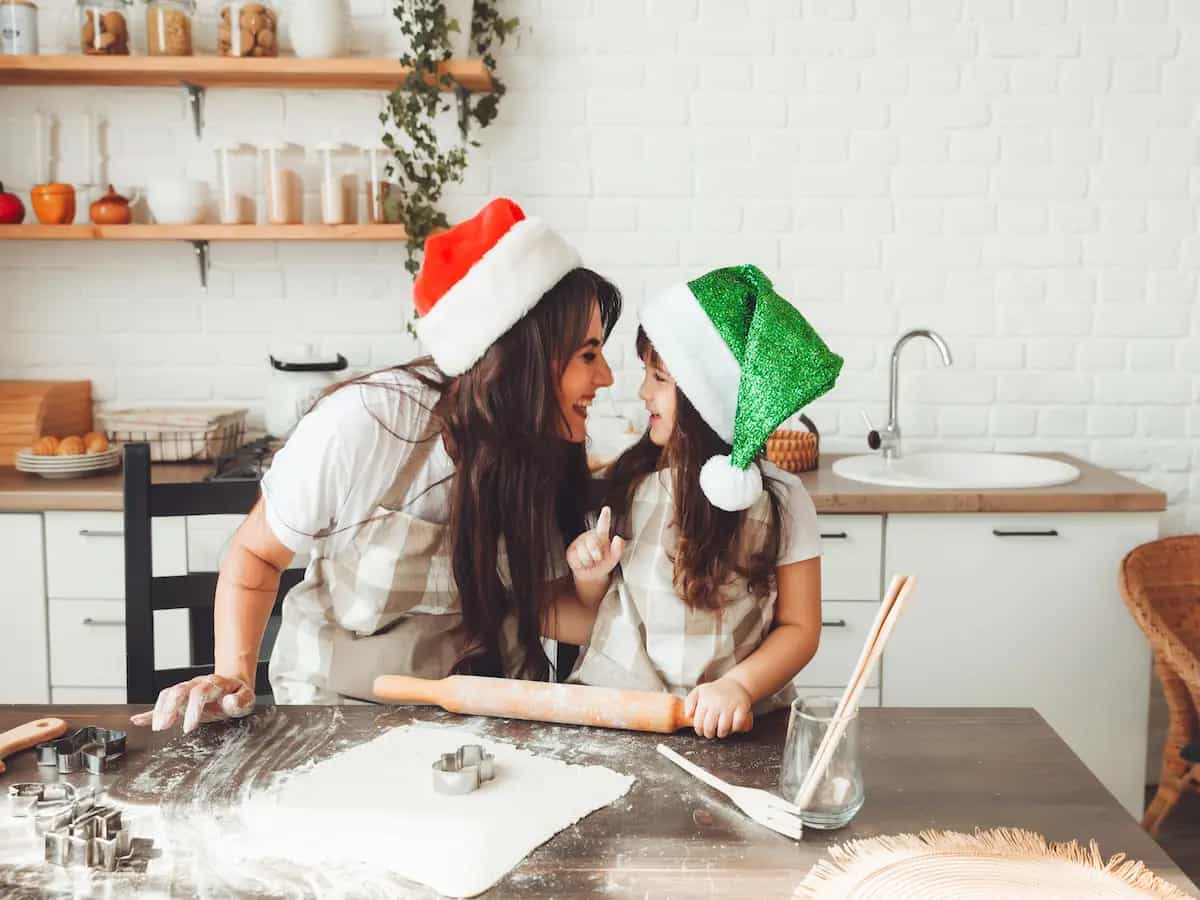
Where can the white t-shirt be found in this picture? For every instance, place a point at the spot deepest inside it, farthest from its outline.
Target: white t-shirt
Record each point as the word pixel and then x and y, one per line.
pixel 801 535
pixel 343 458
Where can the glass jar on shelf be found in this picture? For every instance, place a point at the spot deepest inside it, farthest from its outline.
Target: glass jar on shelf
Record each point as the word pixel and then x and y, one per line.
pixel 169 27
pixel 375 183
pixel 104 27
pixel 339 183
pixel 283 188
pixel 18 28
pixel 235 184
pixel 248 29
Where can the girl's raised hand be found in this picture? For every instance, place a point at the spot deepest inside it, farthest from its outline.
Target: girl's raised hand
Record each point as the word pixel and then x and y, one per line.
pixel 592 556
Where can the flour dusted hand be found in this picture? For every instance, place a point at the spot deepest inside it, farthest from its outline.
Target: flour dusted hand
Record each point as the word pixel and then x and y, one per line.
pixel 592 556
pixel 205 698
pixel 720 708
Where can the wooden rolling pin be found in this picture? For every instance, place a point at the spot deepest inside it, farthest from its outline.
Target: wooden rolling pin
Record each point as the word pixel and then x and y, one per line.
pixel 31 733
pixel 510 698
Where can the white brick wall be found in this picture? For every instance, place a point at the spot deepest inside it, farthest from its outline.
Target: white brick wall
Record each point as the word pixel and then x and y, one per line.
pixel 1016 175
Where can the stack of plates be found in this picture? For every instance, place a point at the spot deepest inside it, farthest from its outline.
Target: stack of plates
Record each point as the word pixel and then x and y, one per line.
pixel 68 466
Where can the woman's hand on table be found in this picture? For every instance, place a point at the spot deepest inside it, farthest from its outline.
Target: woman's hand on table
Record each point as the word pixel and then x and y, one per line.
pixel 205 698
pixel 720 708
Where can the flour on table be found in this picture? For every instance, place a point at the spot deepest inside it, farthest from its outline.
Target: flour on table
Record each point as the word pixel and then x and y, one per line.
pixel 375 804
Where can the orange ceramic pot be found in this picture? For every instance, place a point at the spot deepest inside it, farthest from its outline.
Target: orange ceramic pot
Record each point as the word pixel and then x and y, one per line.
pixel 54 204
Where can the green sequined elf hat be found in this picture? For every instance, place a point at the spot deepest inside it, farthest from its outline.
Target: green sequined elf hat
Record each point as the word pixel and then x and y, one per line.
pixel 746 359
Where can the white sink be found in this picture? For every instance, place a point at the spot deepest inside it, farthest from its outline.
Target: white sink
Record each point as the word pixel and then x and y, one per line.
pixel 963 471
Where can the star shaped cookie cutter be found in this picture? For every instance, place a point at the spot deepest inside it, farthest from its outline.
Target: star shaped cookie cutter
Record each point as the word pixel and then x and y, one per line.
pixel 464 770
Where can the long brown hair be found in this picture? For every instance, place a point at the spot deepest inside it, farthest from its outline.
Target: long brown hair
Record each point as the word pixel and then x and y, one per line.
pixel 517 481
pixel 715 546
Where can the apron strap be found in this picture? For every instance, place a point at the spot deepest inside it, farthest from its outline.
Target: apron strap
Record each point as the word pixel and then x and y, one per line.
pixel 423 448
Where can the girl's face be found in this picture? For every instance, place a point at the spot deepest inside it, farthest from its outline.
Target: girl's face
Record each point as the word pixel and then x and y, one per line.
pixel 658 393
pixel 586 371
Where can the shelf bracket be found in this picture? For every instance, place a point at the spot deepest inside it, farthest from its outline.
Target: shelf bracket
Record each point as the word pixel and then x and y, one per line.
pixel 202 259
pixel 196 100
pixel 462 95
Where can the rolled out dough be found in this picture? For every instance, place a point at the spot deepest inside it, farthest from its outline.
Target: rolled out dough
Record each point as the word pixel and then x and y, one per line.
pixel 375 804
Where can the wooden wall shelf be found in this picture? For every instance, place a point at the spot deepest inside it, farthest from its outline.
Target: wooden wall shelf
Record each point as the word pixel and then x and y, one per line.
pixel 203 232
pixel 285 72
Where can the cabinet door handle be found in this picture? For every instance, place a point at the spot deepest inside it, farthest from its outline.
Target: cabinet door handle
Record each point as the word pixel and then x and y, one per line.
pixel 89 621
pixel 833 623
pixel 1001 532
pixel 833 535
pixel 99 532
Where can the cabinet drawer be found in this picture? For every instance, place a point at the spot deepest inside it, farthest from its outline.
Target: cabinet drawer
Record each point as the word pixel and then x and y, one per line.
pixel 844 630
pixel 85 553
pixel 851 554
pixel 85 695
pixel 87 642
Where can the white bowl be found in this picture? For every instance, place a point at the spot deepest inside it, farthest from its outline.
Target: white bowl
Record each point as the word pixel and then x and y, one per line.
pixel 178 201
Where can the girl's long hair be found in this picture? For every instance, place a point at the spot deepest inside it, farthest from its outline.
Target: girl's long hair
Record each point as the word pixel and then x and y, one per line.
pixel 714 546
pixel 518 484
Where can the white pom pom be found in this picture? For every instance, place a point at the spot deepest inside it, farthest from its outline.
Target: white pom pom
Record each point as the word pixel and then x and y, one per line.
pixel 728 488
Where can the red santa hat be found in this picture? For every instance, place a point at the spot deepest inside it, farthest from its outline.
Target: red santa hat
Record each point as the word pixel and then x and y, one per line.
pixel 480 277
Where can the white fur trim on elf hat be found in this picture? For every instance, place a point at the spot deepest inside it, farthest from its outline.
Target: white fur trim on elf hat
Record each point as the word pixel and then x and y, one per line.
pixel 506 282
pixel 695 353
pixel 730 488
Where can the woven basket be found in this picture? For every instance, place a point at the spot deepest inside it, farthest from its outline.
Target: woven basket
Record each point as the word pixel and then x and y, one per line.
pixel 795 451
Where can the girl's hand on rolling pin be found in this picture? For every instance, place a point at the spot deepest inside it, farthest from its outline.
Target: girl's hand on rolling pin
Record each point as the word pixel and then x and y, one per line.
pixel 592 556
pixel 719 708
pixel 205 698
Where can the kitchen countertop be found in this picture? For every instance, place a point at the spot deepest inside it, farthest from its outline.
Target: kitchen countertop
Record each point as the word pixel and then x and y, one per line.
pixel 1096 490
pixel 670 835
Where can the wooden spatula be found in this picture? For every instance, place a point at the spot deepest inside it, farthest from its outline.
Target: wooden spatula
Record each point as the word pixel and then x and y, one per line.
pixel 24 736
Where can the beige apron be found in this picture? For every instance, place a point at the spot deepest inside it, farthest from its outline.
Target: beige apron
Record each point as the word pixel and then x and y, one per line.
pixel 383 604
pixel 645 637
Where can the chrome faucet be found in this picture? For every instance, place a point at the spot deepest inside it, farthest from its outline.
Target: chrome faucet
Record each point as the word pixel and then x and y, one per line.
pixel 888 438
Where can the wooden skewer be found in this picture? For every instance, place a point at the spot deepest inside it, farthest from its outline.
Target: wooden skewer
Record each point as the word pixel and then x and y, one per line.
pixel 890 611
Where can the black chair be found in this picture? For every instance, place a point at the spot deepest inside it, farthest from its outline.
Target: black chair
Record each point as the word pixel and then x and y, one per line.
pixel 145 593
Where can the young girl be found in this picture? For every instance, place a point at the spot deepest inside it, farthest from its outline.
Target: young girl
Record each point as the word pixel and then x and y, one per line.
pixel 718 593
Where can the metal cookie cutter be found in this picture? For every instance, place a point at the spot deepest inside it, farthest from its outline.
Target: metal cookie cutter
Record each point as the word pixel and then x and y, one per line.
pixel 94 837
pixel 464 770
pixel 92 748
pixel 34 798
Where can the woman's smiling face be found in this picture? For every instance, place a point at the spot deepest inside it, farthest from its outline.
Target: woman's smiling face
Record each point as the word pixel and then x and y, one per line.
pixel 586 371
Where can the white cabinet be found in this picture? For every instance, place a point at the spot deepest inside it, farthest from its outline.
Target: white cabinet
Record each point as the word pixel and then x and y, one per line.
pixel 1023 610
pixel 851 555
pixel 23 666
pixel 85 575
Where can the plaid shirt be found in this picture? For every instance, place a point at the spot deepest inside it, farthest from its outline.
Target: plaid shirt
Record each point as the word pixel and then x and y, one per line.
pixel 385 603
pixel 646 637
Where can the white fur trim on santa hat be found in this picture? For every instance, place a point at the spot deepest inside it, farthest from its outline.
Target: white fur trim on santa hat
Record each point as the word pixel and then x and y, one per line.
pixel 507 282
pixel 696 355
pixel 728 488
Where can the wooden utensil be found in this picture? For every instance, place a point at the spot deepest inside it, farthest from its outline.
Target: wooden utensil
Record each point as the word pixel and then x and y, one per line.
pixel 764 807
pixel 885 621
pixel 31 733
pixel 569 704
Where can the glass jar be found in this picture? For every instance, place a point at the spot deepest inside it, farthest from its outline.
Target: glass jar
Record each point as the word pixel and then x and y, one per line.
pixel 104 27
pixel 169 27
pixel 235 184
pixel 838 796
pixel 375 182
pixel 18 28
pixel 339 183
pixel 248 29
pixel 283 188
pixel 319 28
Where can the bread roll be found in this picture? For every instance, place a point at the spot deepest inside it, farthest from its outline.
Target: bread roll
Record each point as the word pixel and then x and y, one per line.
pixel 45 446
pixel 70 446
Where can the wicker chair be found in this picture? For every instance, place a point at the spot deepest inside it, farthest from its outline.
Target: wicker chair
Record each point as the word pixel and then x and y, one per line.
pixel 1160 582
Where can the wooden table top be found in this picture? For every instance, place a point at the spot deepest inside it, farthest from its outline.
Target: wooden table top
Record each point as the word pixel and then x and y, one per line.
pixel 939 769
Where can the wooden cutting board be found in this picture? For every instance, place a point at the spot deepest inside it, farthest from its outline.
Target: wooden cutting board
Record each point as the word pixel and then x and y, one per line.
pixel 30 409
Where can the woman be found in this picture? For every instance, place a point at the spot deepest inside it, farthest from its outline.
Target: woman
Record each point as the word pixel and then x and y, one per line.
pixel 435 498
